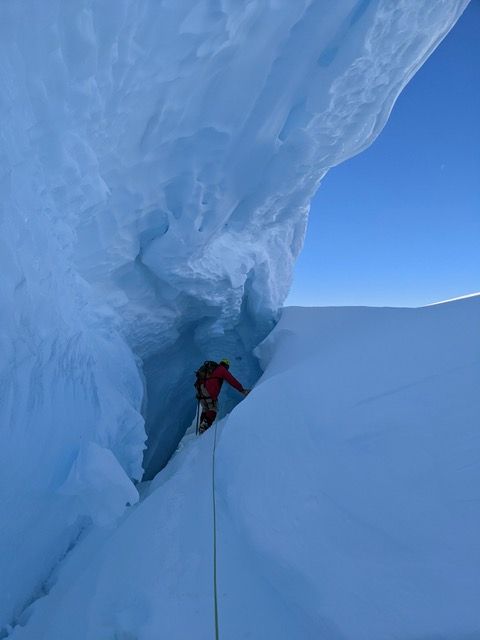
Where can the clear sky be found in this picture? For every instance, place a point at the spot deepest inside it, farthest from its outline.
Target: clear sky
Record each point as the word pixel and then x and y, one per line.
pixel 399 224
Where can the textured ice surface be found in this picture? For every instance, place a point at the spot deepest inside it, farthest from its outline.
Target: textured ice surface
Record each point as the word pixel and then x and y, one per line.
pixel 156 164
pixel 101 485
pixel 347 492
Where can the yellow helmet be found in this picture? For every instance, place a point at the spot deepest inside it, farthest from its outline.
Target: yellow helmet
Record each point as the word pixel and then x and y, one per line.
pixel 225 361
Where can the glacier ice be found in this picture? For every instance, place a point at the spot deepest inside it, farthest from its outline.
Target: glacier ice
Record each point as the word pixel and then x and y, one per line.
pixel 100 483
pixel 347 508
pixel 157 161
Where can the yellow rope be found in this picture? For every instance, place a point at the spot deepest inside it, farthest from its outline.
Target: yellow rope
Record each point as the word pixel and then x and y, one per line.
pixel 215 595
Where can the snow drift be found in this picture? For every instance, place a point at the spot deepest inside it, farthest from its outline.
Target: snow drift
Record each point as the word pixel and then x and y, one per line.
pixel 347 493
pixel 157 161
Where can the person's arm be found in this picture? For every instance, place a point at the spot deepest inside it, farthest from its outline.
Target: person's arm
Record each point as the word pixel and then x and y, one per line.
pixel 233 382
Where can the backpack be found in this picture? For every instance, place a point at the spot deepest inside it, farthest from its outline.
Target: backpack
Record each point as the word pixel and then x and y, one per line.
pixel 203 374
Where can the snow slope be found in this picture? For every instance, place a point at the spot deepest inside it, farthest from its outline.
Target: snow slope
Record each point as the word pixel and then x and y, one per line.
pixel 156 164
pixel 347 498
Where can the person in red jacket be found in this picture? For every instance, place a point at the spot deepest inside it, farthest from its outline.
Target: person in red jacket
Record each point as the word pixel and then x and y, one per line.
pixel 210 390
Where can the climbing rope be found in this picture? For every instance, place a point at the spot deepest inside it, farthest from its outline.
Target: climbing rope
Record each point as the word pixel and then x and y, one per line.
pixel 198 418
pixel 215 595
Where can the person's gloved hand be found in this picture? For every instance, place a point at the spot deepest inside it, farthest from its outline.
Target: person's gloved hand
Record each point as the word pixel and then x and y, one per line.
pixel 246 392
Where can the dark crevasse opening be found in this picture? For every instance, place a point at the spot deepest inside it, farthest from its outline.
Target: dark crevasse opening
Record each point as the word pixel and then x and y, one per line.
pixel 170 375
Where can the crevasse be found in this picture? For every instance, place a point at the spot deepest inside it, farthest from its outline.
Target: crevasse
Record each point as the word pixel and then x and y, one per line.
pixel 157 162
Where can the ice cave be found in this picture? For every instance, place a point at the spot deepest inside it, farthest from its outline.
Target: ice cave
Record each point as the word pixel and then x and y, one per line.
pixel 158 159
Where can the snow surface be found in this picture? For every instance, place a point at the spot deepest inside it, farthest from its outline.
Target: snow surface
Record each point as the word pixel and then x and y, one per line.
pixel 347 493
pixel 157 161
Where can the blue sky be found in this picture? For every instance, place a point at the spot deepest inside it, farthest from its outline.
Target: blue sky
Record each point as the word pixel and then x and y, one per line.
pixel 400 223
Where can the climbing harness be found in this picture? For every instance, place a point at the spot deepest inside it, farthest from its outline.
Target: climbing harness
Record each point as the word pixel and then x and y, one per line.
pixel 215 593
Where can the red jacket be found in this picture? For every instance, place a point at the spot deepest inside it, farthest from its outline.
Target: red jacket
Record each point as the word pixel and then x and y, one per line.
pixel 214 382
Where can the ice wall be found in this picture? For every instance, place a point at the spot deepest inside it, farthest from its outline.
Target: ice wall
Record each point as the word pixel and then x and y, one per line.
pixel 157 160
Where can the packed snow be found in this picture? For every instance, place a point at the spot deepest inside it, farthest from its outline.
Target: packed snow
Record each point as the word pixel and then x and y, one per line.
pixel 157 163
pixel 347 499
